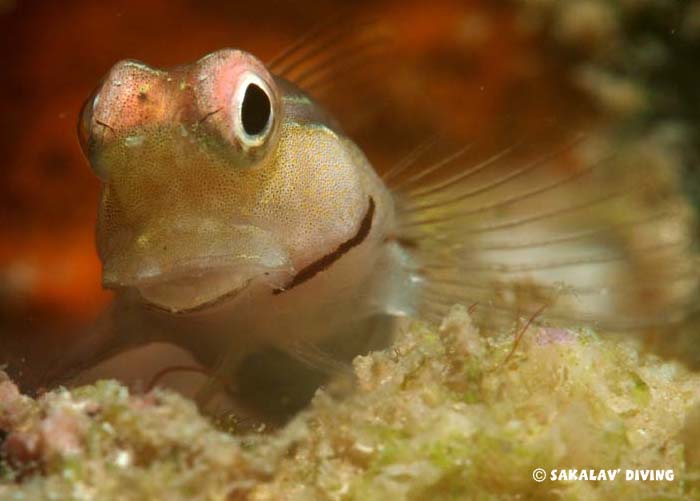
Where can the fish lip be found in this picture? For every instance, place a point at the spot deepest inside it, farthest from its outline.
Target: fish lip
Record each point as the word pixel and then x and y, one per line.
pixel 147 277
pixel 189 272
pixel 186 268
pixel 200 308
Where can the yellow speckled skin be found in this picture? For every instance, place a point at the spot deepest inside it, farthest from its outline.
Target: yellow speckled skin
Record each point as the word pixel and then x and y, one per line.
pixel 199 222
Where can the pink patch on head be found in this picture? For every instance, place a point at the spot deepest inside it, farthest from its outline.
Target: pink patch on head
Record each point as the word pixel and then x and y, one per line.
pixel 215 80
pixel 133 94
pixel 220 81
pixel 219 75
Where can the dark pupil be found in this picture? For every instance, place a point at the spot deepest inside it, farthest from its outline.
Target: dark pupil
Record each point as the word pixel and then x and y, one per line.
pixel 255 111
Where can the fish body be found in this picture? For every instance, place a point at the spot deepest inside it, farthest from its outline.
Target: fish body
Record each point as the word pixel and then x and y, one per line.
pixel 281 226
pixel 230 198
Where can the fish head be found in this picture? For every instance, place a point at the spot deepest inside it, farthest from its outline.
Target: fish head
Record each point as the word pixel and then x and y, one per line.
pixel 207 184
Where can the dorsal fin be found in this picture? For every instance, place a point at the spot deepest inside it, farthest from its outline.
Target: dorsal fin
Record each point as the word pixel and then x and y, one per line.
pixel 333 56
pixel 596 233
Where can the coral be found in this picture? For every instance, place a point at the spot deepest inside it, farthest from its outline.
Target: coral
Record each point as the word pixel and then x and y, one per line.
pixel 448 413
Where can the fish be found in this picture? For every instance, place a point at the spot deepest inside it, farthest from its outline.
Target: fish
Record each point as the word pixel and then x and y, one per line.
pixel 237 215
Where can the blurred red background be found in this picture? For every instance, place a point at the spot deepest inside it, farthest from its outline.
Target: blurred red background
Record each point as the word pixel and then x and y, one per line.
pixel 466 69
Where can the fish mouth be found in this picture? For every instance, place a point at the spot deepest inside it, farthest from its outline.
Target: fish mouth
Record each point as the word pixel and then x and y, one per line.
pixel 190 272
pixel 184 295
pixel 193 289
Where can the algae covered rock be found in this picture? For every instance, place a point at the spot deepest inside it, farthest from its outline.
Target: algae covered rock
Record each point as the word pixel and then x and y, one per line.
pixel 448 413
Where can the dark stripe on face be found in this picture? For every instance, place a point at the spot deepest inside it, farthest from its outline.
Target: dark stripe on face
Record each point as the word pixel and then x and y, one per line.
pixel 326 261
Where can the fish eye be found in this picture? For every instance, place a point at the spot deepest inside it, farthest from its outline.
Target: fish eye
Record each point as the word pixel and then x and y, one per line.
pixel 85 121
pixel 254 110
pixel 83 130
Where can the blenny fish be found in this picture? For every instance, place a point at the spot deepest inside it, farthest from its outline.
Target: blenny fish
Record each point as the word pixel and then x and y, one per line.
pixel 236 215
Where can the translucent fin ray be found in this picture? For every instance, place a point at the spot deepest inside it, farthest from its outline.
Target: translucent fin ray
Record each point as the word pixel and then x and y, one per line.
pixel 575 228
pixel 326 55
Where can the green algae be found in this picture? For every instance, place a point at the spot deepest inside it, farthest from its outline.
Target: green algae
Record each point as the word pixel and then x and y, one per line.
pixel 443 414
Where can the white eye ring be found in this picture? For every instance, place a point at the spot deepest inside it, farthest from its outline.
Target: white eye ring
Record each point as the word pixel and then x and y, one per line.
pixel 252 110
